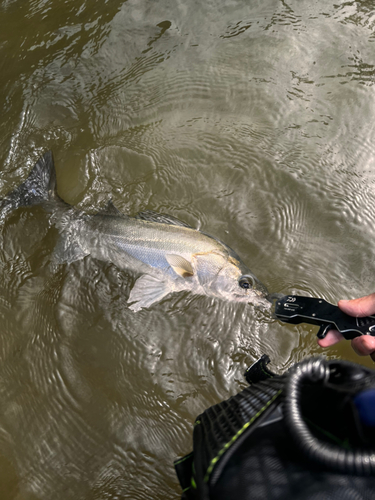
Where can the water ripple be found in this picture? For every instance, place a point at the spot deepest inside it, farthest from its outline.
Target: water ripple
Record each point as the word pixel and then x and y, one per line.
pixel 251 123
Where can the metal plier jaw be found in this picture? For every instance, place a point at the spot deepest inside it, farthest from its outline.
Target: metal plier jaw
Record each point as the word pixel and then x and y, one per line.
pixel 297 309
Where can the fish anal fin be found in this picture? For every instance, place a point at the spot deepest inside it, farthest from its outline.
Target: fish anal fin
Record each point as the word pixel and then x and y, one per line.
pixel 180 265
pixel 146 291
pixel 151 216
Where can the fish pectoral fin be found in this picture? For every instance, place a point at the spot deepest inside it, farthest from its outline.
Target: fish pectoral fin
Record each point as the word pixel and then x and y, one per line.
pixel 146 291
pixel 180 265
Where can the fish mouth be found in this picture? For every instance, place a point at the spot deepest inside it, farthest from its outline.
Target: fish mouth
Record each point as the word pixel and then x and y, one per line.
pixel 260 297
pixel 261 290
pixel 265 302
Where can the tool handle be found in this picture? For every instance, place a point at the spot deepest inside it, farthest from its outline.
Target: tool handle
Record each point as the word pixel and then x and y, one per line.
pixel 316 311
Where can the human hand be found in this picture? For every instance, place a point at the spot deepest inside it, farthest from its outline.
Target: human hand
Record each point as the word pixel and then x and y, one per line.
pixel 365 344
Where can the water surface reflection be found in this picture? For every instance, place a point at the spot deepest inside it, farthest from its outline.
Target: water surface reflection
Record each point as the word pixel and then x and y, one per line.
pixel 251 122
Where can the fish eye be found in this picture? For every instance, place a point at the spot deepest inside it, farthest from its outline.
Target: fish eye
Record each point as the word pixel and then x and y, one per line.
pixel 246 282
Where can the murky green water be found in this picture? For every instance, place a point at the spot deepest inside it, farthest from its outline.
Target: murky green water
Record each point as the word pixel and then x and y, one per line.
pixel 253 121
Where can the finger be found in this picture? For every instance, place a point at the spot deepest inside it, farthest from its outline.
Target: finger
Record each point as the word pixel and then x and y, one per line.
pixel 363 306
pixel 364 345
pixel 332 337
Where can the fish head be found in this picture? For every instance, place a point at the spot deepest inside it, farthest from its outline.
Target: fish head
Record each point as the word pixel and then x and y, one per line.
pixel 227 278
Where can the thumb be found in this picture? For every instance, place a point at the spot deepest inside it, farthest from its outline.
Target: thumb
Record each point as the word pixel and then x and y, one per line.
pixel 363 306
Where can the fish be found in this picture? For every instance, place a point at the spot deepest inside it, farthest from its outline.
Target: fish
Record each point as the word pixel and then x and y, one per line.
pixel 166 254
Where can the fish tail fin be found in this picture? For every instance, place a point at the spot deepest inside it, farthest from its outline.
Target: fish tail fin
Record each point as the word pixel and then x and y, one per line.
pixel 39 187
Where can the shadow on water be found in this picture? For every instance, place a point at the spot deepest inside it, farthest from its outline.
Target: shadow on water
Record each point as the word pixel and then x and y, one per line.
pixel 253 123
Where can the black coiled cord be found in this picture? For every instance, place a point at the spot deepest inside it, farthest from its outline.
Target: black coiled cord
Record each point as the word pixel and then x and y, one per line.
pixel 317 370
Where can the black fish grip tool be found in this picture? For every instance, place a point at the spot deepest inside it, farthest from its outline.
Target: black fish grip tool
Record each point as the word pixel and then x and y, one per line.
pixel 296 309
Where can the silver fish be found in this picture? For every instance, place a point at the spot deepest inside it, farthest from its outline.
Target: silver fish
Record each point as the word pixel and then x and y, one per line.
pixel 168 255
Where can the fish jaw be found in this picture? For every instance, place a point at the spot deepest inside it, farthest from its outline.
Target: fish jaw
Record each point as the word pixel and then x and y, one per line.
pixel 261 295
pixel 259 299
pixel 253 296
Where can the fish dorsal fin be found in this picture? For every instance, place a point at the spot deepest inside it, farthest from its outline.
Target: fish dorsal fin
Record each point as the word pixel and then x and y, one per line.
pixel 151 216
pixel 180 265
pixel 109 209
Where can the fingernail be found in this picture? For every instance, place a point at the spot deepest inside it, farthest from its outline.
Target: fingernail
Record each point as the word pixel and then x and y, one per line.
pixel 358 348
